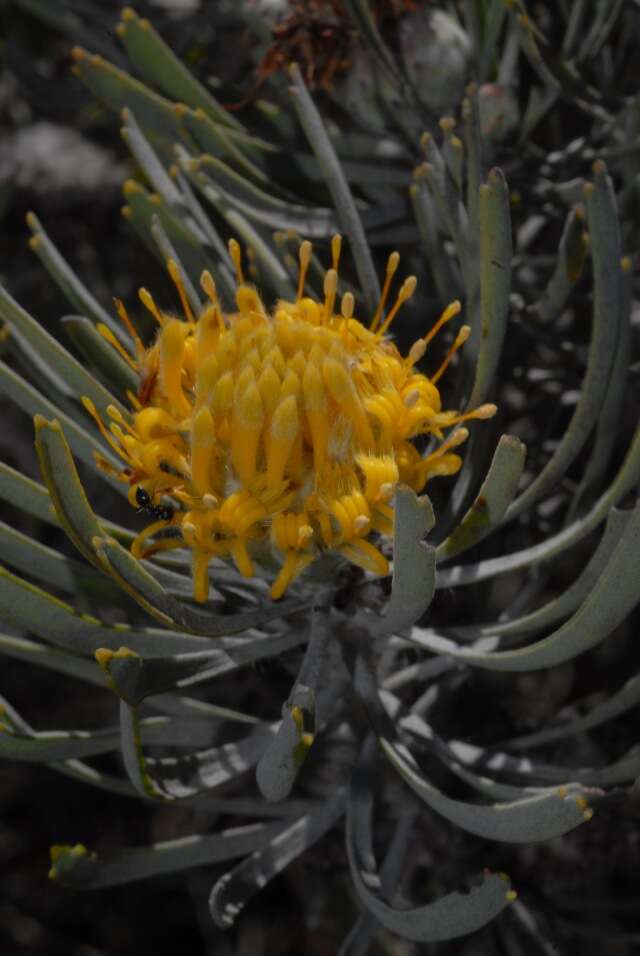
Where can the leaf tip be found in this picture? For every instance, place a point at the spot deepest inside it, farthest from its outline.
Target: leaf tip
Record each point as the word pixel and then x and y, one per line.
pixel 63 857
pixel 103 656
pixel 496 177
pixel 40 422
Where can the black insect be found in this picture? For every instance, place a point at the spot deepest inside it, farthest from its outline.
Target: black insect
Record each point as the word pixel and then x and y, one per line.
pixel 159 512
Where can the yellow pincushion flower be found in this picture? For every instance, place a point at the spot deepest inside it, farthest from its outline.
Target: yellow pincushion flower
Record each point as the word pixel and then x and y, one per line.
pixel 290 429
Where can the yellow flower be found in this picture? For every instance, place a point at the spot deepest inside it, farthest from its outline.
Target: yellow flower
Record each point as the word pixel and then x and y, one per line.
pixel 288 429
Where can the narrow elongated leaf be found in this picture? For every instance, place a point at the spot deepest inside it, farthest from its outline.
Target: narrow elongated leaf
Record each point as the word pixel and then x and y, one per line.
pixel 310 221
pixel 361 936
pixel 134 577
pixel 449 917
pixel 452 153
pixel 189 238
pixel 179 778
pixel 532 819
pixel 137 581
pixel 204 221
pixel 283 758
pixel 555 72
pixel 85 773
pixel 494 18
pixel 84 530
pixel 22 649
pixel 205 771
pixel 28 555
pixel 572 252
pixel 611 411
pixel 364 20
pixel 162 68
pixel 234 890
pixel 574 24
pixel 567 601
pixel 343 201
pixel 601 25
pixel 134 678
pixel 169 252
pixel 619 703
pixel 65 488
pixel 101 356
pixel 33 498
pixel 118 90
pixel 149 163
pixel 218 140
pixel 26 494
pixel 413 563
pixel 62 362
pixel 624 482
pixel 77 868
pixel 55 745
pixel 482 781
pixel 74 768
pixel 143 208
pixel 614 595
pixel 133 756
pixel 496 493
pixel 66 279
pixel 239 223
pixel 366 173
pixel 607 316
pixel 439 263
pixel 25 606
pixel 451 210
pixel 538 773
pixel 473 153
pixel 540 817
pixel 33 402
pixel 495 281
pixel 281 762
pixel 63 19
pixel 43 376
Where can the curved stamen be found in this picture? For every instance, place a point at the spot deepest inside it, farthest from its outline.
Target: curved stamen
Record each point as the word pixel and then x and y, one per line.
pixel 128 324
pixel 406 291
pixel 392 265
pixel 236 257
pixel 304 255
pixel 459 341
pixel 147 300
pixel 109 337
pixel 336 248
pixel 178 281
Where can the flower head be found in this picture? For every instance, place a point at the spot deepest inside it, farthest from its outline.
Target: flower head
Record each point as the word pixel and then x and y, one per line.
pixel 287 429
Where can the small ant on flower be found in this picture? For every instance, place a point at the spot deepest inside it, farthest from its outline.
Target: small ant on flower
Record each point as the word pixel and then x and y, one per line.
pixel 159 512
